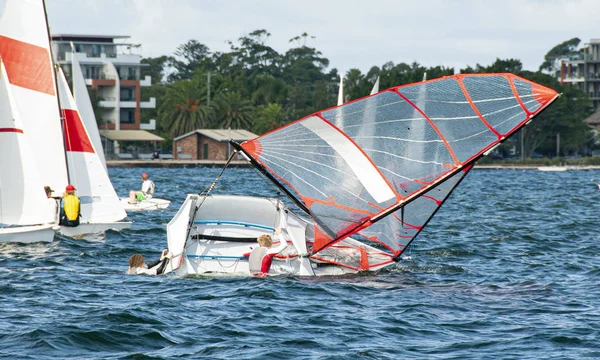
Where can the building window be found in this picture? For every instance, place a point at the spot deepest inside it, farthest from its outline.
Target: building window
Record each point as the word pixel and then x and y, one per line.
pixel 127 116
pixel 127 94
pixel 205 152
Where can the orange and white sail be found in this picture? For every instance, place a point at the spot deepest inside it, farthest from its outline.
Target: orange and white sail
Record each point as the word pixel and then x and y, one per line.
pixel 99 201
pixel 25 49
pixel 22 195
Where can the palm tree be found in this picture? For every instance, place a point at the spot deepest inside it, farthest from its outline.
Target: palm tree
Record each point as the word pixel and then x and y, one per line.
pixel 269 117
pixel 233 111
pixel 184 107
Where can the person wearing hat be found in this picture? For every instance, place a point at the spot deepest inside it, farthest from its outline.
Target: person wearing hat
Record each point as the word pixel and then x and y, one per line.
pixel 70 210
pixel 145 193
pixel 52 204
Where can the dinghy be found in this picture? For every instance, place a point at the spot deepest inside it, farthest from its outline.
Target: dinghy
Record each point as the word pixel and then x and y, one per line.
pixel 376 169
pixel 148 204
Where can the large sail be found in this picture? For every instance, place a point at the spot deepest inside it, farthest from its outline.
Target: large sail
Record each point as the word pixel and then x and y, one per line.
pixel 84 105
pixel 22 196
pixel 99 201
pixel 25 50
pixel 420 136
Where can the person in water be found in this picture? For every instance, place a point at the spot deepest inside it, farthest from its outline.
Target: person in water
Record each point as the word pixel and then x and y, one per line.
pixel 70 210
pixel 137 264
pixel 146 192
pixel 261 258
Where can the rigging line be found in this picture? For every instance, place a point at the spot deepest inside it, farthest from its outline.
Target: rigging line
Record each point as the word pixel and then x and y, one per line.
pixel 291 196
pixel 206 192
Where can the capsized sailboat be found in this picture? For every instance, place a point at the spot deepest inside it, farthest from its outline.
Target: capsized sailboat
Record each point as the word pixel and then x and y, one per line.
pixel 25 214
pixel 377 168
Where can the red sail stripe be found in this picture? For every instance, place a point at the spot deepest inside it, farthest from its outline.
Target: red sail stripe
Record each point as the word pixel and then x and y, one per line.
pixel 27 65
pixel 76 137
pixel 11 130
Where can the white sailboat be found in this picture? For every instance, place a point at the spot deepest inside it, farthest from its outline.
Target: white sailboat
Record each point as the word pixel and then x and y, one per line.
pixel 23 202
pixel 101 209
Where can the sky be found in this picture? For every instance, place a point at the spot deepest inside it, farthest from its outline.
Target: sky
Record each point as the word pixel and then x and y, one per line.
pixel 350 33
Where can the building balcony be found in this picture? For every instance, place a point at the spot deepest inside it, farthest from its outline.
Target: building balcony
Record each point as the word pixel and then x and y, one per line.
pixel 147 81
pixel 151 125
pixel 108 103
pixel 573 79
pixel 128 104
pixel 151 104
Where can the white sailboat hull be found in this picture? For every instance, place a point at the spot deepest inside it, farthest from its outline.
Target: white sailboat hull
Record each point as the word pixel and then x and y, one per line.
pixel 553 168
pixel 149 204
pixel 27 234
pixel 92 231
pixel 225 229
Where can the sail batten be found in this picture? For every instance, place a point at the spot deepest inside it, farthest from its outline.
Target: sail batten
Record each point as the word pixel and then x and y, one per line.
pixel 391 159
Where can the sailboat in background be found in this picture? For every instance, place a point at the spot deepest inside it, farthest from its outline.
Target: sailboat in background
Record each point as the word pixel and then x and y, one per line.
pixel 22 198
pixel 101 209
pixel 84 105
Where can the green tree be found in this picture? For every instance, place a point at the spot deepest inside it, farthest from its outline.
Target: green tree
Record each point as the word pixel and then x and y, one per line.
pixel 188 59
pixel 233 111
pixel 565 49
pixel 184 107
pixel 155 69
pixel 269 117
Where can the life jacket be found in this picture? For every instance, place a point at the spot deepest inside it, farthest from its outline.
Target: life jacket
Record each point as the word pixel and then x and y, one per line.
pixel 70 210
pixel 255 260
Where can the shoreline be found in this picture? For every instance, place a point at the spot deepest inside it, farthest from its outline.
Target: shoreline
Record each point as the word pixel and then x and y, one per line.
pixel 159 163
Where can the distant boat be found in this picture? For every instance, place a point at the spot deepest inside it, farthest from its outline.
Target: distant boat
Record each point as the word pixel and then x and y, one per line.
pixel 552 168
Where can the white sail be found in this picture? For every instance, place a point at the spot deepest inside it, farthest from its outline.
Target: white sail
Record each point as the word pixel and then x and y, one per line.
pixel 375 89
pixel 84 105
pixel 22 196
pixel 25 49
pixel 99 201
pixel 341 91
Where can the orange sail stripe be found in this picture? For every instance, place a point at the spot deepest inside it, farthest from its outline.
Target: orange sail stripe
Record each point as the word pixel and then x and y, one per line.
pixel 432 125
pixel 76 137
pixel 475 109
pixel 542 94
pixel 28 66
pixel 516 93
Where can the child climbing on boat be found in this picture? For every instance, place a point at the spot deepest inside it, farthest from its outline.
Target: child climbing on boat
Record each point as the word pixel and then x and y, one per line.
pixel 261 258
pixel 137 264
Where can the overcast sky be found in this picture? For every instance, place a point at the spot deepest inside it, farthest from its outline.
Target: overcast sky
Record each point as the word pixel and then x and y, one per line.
pixel 350 33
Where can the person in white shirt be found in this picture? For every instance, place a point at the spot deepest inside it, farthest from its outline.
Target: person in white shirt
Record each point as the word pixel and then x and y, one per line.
pixel 145 193
pixel 52 204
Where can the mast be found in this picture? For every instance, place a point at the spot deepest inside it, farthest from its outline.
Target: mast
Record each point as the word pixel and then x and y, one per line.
pixel 55 74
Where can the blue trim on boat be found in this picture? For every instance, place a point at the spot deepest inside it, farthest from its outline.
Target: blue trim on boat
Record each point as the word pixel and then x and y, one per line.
pixel 216 257
pixel 220 222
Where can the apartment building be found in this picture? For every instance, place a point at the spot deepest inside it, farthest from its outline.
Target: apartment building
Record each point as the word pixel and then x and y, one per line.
pixel 111 65
pixel 583 71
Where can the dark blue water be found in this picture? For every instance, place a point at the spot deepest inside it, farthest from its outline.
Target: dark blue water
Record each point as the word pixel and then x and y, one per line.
pixel 509 268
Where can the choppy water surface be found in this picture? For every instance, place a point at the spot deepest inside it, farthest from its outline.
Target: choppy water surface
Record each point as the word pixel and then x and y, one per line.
pixel 508 268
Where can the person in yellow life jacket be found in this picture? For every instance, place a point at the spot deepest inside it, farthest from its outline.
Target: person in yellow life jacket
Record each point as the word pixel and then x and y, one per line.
pixel 70 210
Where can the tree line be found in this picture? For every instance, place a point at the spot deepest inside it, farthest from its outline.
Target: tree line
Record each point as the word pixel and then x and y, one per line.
pixel 254 87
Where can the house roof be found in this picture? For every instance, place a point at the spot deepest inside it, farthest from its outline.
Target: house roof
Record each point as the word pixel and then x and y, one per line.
pixel 130 135
pixel 222 135
pixel 594 119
